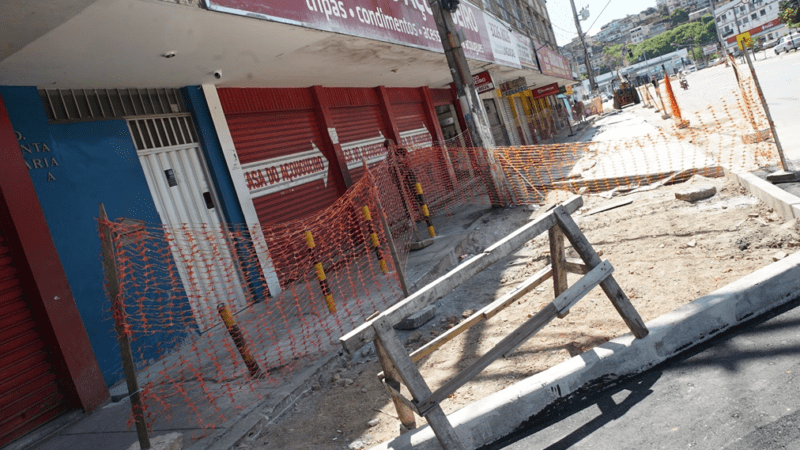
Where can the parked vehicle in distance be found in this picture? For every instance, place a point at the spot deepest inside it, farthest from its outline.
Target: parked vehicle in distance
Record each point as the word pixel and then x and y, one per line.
pixel 771 43
pixel 788 42
pixel 690 68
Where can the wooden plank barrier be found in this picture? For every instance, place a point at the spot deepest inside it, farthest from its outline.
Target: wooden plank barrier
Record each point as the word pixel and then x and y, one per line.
pixel 399 367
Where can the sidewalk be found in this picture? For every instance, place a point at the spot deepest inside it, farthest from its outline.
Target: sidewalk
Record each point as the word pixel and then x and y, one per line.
pixel 467 230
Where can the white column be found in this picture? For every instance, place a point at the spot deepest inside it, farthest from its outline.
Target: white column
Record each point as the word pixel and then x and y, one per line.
pixel 240 185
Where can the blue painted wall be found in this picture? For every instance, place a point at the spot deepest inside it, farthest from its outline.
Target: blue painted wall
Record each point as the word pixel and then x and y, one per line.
pixel 74 167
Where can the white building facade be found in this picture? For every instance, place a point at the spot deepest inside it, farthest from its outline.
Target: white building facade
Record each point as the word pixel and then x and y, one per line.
pixel 759 18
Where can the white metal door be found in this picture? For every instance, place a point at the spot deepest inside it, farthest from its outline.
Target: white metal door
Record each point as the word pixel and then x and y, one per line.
pixel 176 174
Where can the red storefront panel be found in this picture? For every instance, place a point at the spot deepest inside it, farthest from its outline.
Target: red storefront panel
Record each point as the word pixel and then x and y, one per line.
pixel 408 111
pixel 279 142
pixel 362 133
pixel 29 391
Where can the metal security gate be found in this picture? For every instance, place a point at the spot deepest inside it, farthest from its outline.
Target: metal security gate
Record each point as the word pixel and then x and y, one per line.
pixel 498 129
pixel 523 123
pixel 176 174
pixel 508 118
pixel 29 392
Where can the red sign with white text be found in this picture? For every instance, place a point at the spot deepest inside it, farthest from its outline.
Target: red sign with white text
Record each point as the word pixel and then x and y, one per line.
pixel 544 91
pixel 552 63
pixel 758 29
pixel 483 82
pixel 406 22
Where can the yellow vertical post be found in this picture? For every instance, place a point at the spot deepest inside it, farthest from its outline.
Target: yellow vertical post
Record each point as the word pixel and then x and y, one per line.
pixel 238 339
pixel 424 207
pixel 323 280
pixel 373 236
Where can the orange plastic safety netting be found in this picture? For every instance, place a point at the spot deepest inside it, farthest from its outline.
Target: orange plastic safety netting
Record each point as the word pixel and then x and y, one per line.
pixel 210 339
pixel 180 286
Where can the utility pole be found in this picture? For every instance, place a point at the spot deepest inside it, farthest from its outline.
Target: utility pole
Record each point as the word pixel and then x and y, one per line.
pixel 592 83
pixel 471 104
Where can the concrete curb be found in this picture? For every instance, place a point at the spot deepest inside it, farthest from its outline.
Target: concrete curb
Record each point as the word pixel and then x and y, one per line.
pixel 498 415
pixel 784 203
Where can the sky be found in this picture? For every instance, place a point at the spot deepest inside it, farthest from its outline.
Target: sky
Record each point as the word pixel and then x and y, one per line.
pixel 564 24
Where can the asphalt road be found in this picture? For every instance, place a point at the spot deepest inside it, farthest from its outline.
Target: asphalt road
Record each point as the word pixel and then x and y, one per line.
pixel 739 391
pixel 779 76
pixel 780 80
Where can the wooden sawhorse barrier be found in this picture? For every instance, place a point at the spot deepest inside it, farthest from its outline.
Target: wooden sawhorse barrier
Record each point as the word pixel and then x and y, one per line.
pixel 399 367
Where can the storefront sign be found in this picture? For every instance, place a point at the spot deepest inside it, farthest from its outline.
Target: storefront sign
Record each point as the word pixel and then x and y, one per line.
pixel 504 44
pixel 370 150
pixel 37 155
pixel 283 172
pixel 483 82
pixel 525 51
pixel 407 22
pixel 756 30
pixel 544 91
pixel 513 87
pixel 709 49
pixel 552 63
pixel 416 138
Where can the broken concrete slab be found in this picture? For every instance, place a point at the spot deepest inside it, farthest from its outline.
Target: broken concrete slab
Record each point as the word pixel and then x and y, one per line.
pixel 419 245
pixel 695 193
pixel 171 441
pixel 417 319
pixel 782 177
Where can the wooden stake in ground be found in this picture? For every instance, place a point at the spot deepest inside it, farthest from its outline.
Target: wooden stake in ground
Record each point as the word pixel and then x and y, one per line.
pixel 766 110
pixel 120 325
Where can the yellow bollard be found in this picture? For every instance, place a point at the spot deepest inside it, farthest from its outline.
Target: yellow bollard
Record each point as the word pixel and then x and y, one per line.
pixel 373 236
pixel 323 280
pixel 424 207
pixel 238 339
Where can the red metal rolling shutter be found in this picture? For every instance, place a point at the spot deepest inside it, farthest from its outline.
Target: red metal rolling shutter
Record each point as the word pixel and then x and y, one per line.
pixel 29 392
pixel 442 97
pixel 272 123
pixel 408 110
pixel 361 135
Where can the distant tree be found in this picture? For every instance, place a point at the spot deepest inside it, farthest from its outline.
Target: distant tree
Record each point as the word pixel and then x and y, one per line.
pixel 612 56
pixel 663 10
pixel 650 10
pixel 690 35
pixel 679 16
pixel 789 13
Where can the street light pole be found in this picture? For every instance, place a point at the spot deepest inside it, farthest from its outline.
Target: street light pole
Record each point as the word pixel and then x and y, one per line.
pixel 592 83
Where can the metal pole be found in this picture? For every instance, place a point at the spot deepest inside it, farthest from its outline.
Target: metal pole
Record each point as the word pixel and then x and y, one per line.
pixel 766 110
pixel 592 83
pixel 388 232
pixel 118 311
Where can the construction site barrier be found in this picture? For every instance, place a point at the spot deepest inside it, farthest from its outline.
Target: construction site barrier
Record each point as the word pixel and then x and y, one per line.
pixel 206 336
